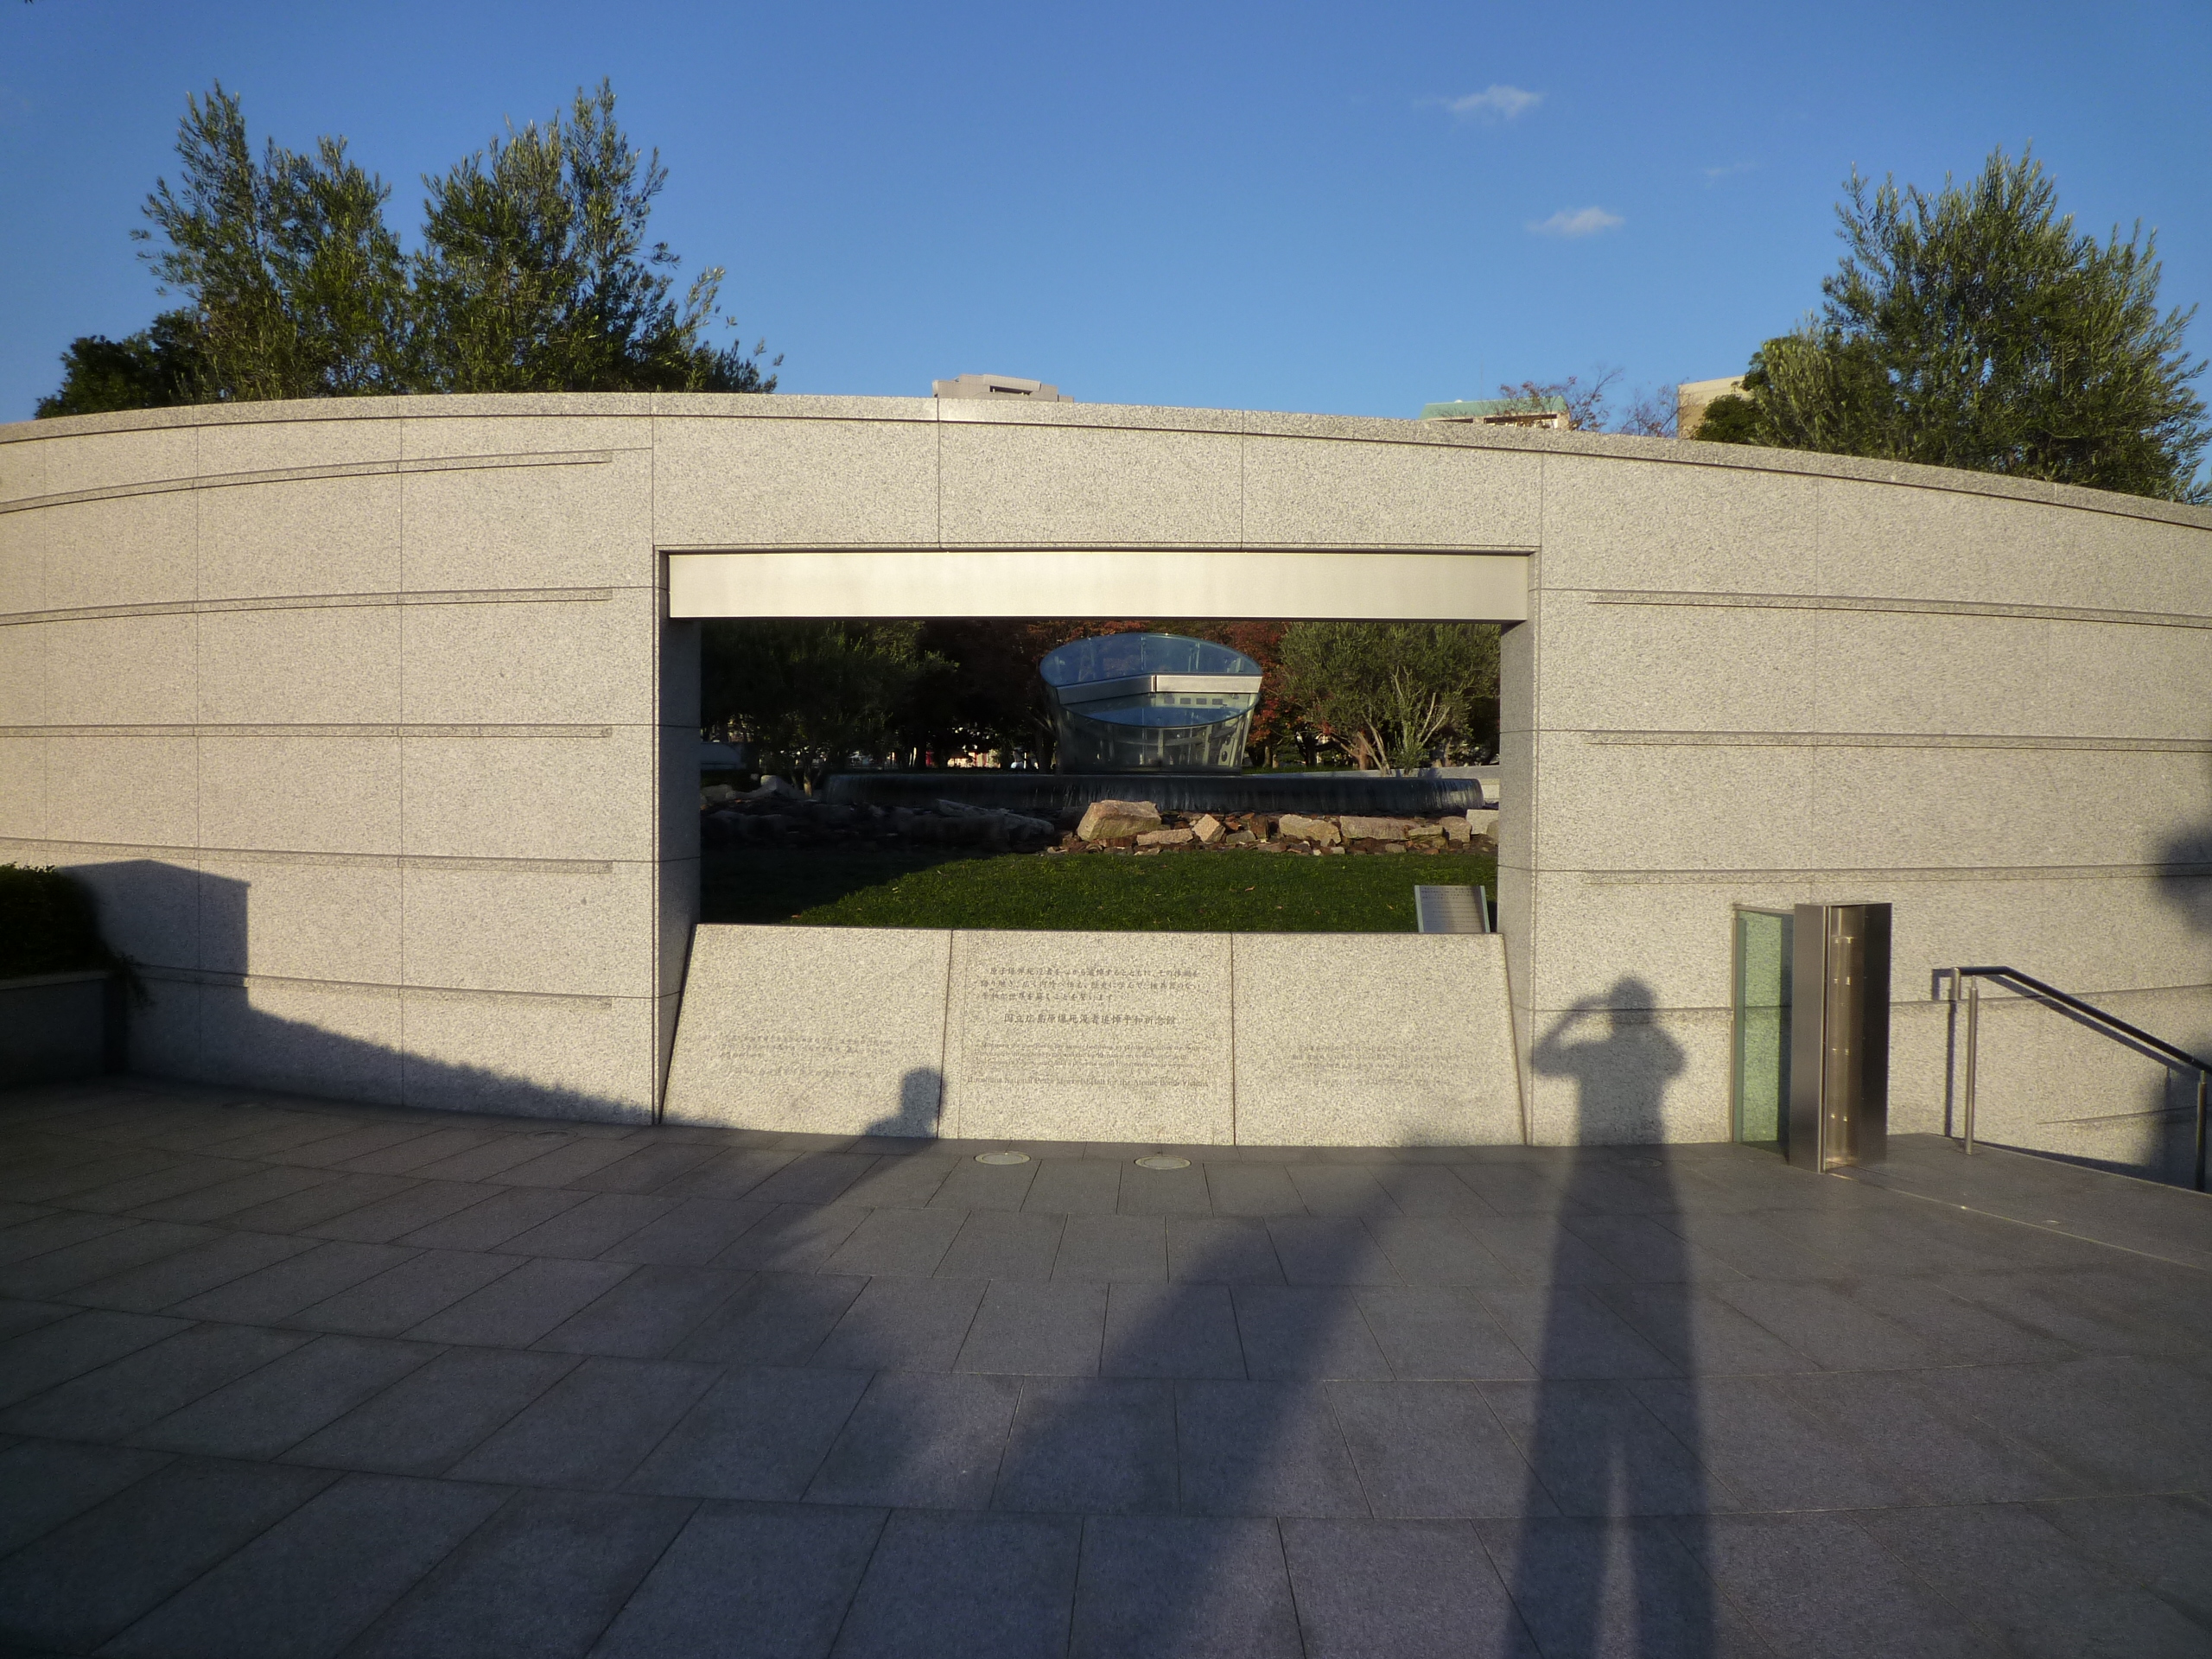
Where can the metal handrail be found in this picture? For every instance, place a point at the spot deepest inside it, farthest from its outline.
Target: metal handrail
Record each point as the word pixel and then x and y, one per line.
pixel 2106 1025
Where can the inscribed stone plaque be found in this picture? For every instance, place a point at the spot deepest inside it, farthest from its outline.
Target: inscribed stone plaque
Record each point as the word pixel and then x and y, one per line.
pixel 1089 1036
pixel 828 1031
pixel 1374 1039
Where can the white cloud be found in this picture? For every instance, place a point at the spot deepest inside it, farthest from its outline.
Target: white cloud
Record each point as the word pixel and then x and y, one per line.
pixel 1494 103
pixel 1728 171
pixel 1581 222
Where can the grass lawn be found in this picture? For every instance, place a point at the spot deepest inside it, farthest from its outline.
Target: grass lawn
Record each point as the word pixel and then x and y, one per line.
pixel 1202 893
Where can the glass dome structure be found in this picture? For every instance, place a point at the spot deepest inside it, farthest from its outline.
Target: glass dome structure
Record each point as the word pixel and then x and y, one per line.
pixel 1150 702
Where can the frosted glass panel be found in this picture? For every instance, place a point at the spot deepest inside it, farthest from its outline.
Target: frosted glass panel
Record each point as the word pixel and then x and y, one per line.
pixel 1762 1068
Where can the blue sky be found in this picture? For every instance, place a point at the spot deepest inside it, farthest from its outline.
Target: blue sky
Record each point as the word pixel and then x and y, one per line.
pixel 1350 209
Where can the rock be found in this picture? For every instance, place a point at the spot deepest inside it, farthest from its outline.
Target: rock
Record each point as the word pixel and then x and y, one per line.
pixel 1207 830
pixel 1293 826
pixel 1483 822
pixel 773 789
pixel 1424 832
pixel 1165 838
pixel 716 795
pixel 1109 820
pixel 1375 829
pixel 1456 831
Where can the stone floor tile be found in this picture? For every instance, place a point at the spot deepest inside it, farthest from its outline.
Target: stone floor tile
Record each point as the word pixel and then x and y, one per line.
pixel 491 1159
pixel 1074 1186
pixel 813 1178
pixel 907 1242
pixel 333 1150
pixel 920 1441
pixel 541 1579
pixel 1937 1451
pixel 1004 1244
pixel 2092 1312
pixel 1170 1331
pixel 772 1318
pixel 179 1176
pixel 592 1427
pixel 1432 1192
pixel 402 1213
pixel 1516 1188
pixel 1398 1590
pixel 646 1315
pixel 1648 1249
pixel 406 1157
pixel 758 1433
pixel 795 1238
pixel 55 1230
pixel 1771 1455
pixel 1818 1584
pixel 652 1165
pixel 966 1587
pixel 783 1575
pixel 16 1318
pixel 1181 1586
pixel 2163 1543
pixel 275 1292
pixel 971 1186
pixel 1433 1450
pixel 1090 1446
pixel 1439 1332
pixel 692 1235
pixel 571 1159
pixel 126 1395
pixel 1240 1189
pixel 908 1325
pixel 262 1414
pixel 1567 1332
pixel 2018 1576
pixel 1539 1252
pixel 1697 1330
pixel 1263 1448
pixel 730 1174
pixel 1597 1450
pixel 2118 1424
pixel 598 1224
pixel 1110 1249
pixel 406 1295
pixel 1829 1328
pixel 1434 1249
pixel 56 1273
pixel 51 1353
pixel 1164 1191
pixel 319 1577
pixel 519 1307
pixel 1036 1330
pixel 1205 1251
pixel 90 1578
pixel 1329 1251
pixel 1306 1331
pixel 1620 1585
pixel 494 1216
pixel 429 1419
pixel 1344 1190
pixel 50 1182
pixel 906 1182
pixel 324 1200
pixel 44 1483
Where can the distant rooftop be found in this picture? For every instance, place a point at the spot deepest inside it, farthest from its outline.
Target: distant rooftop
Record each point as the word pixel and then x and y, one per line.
pixel 998 386
pixel 1549 411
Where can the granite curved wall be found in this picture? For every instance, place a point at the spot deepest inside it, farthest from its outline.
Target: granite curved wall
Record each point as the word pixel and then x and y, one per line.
pixel 369 722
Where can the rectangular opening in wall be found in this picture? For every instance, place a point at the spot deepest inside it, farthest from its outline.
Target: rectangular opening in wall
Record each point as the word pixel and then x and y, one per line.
pixel 1760 1080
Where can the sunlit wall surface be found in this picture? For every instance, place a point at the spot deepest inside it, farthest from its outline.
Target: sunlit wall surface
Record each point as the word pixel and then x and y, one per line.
pixel 1150 702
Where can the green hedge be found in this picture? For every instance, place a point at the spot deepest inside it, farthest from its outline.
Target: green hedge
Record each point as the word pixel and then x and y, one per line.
pixel 47 924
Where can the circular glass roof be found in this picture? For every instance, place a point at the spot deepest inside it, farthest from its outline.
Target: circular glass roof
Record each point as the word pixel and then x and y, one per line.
pixel 1124 656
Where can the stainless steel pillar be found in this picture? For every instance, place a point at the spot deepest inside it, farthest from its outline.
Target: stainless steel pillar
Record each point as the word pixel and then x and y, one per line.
pixel 1839 1036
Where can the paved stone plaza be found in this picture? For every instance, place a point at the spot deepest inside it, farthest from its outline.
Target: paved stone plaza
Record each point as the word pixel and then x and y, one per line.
pixel 290 1378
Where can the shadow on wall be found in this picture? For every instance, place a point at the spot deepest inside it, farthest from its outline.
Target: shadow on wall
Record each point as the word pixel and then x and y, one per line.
pixel 211 1024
